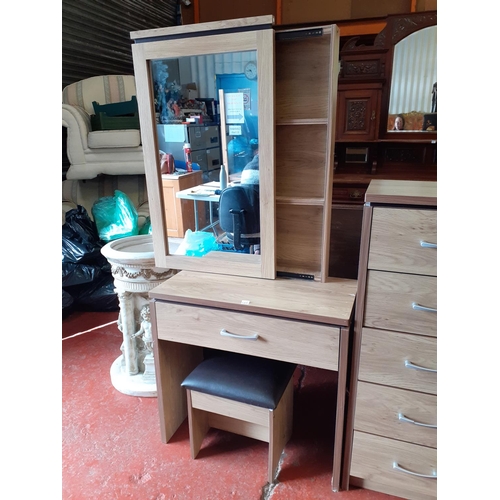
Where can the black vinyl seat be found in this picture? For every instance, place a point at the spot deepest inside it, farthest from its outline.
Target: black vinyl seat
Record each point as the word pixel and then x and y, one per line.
pixel 245 395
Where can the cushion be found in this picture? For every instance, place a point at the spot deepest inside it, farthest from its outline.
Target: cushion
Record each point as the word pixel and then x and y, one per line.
pixel 114 139
pixel 247 379
pixel 103 89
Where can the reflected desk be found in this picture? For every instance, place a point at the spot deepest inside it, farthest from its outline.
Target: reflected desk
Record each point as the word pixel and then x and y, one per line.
pixel 300 321
pixel 203 192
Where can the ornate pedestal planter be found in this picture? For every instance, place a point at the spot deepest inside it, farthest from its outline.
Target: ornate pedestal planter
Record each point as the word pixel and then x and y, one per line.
pixel 134 273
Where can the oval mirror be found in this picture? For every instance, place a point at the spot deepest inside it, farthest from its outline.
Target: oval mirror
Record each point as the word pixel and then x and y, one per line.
pixel 413 97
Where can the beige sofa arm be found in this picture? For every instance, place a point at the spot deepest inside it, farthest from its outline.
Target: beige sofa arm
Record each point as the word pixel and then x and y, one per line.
pixel 77 121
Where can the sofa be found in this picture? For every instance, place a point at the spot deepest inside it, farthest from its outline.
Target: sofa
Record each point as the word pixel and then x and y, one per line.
pixel 414 120
pixel 94 152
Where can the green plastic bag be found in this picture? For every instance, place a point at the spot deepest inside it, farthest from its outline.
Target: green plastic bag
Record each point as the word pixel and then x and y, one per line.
pixel 115 217
pixel 146 228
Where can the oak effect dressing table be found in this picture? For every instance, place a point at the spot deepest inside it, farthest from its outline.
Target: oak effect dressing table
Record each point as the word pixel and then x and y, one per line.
pixel 299 321
pixel 235 301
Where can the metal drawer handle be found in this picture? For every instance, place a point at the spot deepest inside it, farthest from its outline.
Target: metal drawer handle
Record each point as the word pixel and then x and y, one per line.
pixel 409 364
pixel 426 244
pixel 418 307
pixel 396 466
pixel 225 333
pixel 402 418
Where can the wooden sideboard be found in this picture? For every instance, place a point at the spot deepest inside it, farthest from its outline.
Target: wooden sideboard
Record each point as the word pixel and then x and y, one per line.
pixel 298 321
pixel 391 436
pixel 365 149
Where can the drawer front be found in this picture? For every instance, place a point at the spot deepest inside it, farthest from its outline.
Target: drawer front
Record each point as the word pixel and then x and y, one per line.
pixel 372 466
pixel 396 413
pixel 400 239
pixel 399 360
pixel 390 301
pixel 207 159
pixel 203 137
pixel 287 340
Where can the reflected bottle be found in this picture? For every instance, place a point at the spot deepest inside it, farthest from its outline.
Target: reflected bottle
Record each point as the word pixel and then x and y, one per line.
pixel 187 157
pixel 223 177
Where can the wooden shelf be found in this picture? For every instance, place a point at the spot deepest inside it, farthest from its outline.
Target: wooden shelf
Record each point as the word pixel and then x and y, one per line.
pixel 304 112
pixel 302 121
pixel 287 200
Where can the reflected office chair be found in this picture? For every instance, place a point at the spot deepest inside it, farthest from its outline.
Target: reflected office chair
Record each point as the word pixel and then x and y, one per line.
pixel 239 215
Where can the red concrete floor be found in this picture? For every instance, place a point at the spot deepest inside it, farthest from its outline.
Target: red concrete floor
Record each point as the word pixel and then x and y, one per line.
pixel 111 446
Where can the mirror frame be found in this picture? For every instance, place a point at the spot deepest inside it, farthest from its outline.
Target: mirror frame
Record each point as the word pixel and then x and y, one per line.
pixel 397 28
pixel 254 34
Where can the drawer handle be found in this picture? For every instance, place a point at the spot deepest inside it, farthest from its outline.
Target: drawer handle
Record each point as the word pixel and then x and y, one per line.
pixel 402 418
pixel 225 333
pixel 396 466
pixel 409 364
pixel 426 244
pixel 418 307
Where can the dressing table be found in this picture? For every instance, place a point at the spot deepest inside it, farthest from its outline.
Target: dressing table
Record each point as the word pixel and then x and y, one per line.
pixel 299 321
pixel 241 302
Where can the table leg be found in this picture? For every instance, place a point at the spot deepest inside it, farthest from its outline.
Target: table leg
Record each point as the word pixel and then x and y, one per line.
pixel 195 215
pixel 173 363
pixel 340 412
pixel 211 215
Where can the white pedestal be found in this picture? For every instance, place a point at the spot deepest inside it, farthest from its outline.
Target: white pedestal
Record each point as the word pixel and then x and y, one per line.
pixel 134 272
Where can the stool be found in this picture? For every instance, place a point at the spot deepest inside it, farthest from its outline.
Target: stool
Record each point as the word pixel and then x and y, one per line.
pixel 244 395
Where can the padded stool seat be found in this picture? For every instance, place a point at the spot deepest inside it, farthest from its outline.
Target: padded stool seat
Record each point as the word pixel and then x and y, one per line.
pixel 245 395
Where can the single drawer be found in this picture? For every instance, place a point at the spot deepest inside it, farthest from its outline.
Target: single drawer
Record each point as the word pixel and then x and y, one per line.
pixel 298 342
pixel 399 360
pixel 404 240
pixel 207 159
pixel 397 413
pixel 390 466
pixel 401 302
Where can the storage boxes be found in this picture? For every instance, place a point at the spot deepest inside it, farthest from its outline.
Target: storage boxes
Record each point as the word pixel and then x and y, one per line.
pixel 115 116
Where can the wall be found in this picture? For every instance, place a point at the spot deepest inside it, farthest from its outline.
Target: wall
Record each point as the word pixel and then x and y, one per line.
pixel 96 38
pixel 96 35
pixel 300 11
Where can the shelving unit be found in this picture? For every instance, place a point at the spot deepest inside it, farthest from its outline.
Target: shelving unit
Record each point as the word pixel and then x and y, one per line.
pixel 306 90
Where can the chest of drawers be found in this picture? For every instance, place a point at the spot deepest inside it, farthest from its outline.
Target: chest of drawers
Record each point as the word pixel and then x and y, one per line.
pixel 392 417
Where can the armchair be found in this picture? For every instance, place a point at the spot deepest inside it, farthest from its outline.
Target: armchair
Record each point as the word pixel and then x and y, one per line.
pixel 112 152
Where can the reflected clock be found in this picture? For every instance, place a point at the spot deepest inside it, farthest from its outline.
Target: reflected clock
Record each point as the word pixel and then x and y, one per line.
pixel 251 70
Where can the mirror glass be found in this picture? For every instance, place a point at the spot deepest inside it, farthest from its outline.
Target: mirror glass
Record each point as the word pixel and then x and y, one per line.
pixel 206 109
pixel 413 98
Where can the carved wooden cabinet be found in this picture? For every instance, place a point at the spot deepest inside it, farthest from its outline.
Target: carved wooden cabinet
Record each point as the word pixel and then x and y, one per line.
pixel 358 112
pixel 365 149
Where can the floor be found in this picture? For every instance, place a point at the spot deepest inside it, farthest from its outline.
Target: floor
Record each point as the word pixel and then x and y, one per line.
pixel 111 446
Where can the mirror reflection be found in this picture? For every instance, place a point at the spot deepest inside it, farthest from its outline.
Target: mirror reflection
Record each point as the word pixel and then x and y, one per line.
pixel 206 111
pixel 413 98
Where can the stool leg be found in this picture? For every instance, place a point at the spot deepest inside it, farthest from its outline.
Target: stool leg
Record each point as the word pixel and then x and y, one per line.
pixel 198 426
pixel 280 429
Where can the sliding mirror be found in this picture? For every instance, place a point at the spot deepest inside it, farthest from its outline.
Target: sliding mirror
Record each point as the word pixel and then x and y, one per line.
pixel 205 97
pixel 413 94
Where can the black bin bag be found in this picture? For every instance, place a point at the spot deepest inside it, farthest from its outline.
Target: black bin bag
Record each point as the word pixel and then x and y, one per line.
pixel 87 282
